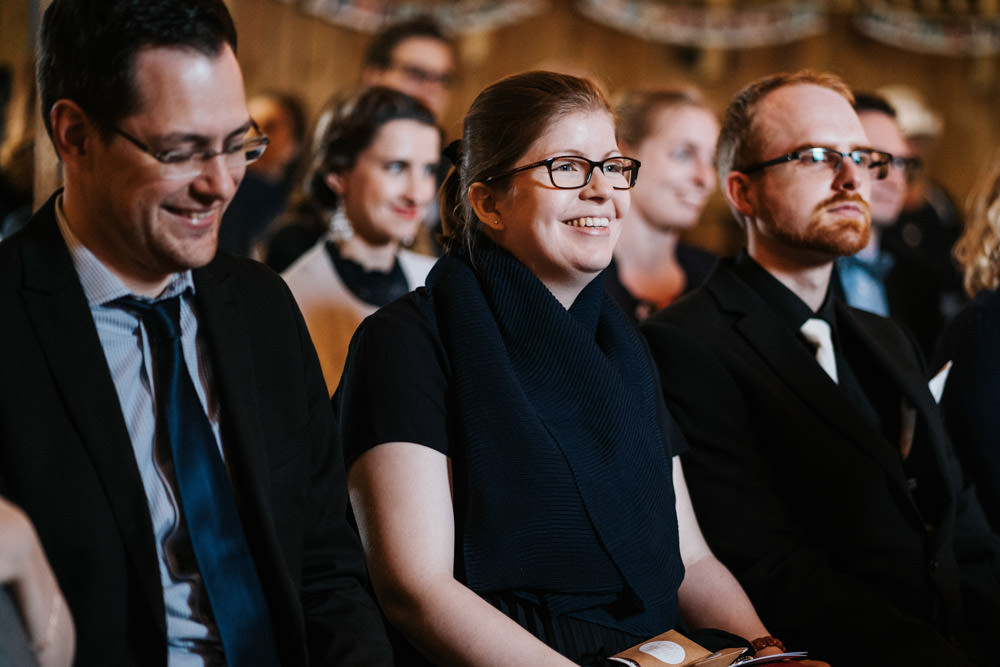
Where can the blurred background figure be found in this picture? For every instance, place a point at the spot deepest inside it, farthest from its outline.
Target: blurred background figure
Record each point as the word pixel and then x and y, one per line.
pixel 367 191
pixel 268 182
pixel 416 57
pixel 891 280
pixel 17 153
pixel 673 134
pixel 35 624
pixel 929 223
pixel 972 343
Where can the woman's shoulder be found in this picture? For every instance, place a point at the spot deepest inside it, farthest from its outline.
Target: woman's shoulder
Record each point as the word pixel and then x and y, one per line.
pixel 411 315
pixel 415 266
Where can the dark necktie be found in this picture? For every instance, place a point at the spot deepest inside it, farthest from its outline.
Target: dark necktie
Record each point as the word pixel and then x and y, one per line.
pixel 206 497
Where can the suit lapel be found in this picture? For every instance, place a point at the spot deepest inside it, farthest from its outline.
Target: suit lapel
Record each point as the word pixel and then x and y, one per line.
pixel 58 310
pixel 225 328
pixel 760 327
pixel 907 379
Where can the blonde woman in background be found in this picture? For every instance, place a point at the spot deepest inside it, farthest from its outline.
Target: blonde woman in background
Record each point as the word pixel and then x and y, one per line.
pixel 971 401
pixel 673 134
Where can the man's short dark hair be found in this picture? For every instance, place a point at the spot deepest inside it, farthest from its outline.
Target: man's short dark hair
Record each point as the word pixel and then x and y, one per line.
pixel 89 47
pixel 873 102
pixel 379 52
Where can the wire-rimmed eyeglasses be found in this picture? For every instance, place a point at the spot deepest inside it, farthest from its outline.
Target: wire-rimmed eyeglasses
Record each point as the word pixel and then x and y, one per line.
pixel 571 172
pixel 866 158
pixel 179 164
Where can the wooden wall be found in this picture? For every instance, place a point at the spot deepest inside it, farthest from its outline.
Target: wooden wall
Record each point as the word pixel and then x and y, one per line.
pixel 320 58
pixel 281 47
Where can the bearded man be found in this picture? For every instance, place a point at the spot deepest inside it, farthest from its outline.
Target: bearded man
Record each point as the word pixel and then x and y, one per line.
pixel 818 465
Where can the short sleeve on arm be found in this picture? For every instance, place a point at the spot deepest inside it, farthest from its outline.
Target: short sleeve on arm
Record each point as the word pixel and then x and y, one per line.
pixel 395 381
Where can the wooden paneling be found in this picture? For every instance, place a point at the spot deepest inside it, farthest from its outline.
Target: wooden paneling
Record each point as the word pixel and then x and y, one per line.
pixel 281 47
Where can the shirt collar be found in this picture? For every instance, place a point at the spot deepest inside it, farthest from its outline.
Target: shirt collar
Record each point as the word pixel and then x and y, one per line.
pixel 100 285
pixel 790 308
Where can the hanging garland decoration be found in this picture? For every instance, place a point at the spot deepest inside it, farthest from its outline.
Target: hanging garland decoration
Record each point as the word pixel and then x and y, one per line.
pixel 941 34
pixel 761 24
pixel 459 17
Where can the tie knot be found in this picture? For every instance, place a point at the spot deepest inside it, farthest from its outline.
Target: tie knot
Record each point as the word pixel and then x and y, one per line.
pixel 162 318
pixel 817 331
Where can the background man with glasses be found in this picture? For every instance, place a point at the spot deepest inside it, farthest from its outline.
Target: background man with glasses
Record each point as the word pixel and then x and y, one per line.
pixel 819 469
pixel 416 57
pixel 163 418
pixel 887 277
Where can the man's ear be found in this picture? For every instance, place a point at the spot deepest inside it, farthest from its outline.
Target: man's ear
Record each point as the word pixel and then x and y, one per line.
pixel 484 204
pixel 737 189
pixel 72 131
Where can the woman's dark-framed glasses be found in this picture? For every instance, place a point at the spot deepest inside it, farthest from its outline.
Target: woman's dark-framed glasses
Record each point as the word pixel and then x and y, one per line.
pixel 865 158
pixel 188 164
pixel 571 172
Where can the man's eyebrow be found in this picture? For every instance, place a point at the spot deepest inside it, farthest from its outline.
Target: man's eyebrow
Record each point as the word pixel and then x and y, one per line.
pixel 201 139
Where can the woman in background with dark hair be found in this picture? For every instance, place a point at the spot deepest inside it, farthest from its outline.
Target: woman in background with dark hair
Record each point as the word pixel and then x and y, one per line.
pixel 369 187
pixel 673 133
pixel 511 463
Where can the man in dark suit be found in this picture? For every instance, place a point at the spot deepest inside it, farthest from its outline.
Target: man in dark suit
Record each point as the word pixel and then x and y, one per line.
pixel 819 471
pixel 163 418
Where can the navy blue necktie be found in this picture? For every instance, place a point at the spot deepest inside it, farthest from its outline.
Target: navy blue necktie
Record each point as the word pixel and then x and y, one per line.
pixel 206 496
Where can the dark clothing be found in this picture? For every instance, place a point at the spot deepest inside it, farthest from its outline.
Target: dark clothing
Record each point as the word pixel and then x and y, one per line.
pixel 66 459
pixel 914 293
pixel 971 401
pixel 560 447
pixel 379 288
pixel 290 241
pixel 929 233
pixel 846 549
pixel 696 264
pixel 256 204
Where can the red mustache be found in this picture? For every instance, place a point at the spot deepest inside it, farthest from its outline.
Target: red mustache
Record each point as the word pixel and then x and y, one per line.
pixel 843 198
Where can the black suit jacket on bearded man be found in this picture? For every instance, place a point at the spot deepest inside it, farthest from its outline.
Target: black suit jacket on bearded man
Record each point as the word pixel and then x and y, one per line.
pixel 805 499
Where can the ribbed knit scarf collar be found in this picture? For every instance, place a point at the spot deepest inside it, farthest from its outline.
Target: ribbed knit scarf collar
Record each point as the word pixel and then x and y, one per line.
pixel 567 480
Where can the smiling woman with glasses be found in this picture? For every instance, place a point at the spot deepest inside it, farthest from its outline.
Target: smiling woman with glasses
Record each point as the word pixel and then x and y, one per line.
pixel 510 462
pixel 570 172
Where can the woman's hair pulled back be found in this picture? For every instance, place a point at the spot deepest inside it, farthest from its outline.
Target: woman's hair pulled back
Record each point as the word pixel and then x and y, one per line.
pixel 503 122
pixel 638 109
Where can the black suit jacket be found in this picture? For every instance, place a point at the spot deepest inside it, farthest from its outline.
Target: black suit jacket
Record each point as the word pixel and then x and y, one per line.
pixel 805 499
pixel 66 459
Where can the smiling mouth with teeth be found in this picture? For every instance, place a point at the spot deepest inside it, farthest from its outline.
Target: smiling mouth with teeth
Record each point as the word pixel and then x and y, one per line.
pixel 589 222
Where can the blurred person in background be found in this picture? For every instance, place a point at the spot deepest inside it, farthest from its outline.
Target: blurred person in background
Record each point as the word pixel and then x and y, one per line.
pixel 971 401
pixel 930 223
pixel 672 133
pixel 17 153
pixel 892 282
pixel 268 182
pixel 368 189
pixel 416 57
